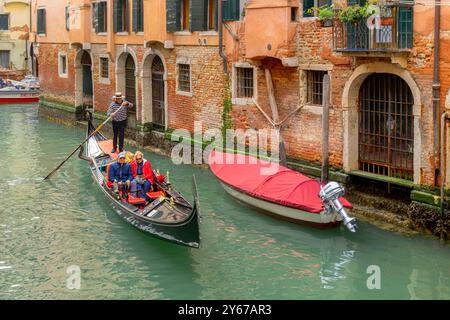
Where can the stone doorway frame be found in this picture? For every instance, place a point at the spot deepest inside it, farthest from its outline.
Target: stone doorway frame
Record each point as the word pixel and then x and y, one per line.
pixel 79 78
pixel 120 74
pixel 350 111
pixel 146 75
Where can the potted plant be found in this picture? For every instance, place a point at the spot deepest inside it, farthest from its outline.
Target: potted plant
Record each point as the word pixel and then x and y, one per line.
pixel 354 13
pixel 325 14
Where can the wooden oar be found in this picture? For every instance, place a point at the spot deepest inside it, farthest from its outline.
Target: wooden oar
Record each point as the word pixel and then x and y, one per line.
pixel 81 144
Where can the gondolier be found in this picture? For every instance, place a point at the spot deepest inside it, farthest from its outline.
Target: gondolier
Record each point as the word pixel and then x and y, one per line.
pixel 119 121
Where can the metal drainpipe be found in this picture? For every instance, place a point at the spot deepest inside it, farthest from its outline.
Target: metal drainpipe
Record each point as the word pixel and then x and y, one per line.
pixel 436 79
pixel 444 117
pixel 220 26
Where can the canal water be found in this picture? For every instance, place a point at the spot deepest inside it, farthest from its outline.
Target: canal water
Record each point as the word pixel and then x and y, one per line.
pixel 47 228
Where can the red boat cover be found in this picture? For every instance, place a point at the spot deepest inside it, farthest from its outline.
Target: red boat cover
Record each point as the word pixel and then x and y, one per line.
pixel 269 181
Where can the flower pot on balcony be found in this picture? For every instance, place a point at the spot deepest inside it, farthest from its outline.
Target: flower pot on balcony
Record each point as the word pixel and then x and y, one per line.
pixel 387 21
pixel 326 23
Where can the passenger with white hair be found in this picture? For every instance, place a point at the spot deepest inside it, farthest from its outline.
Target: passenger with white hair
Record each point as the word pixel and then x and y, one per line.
pixel 142 174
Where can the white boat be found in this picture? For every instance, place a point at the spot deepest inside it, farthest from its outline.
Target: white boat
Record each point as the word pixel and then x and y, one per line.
pixel 280 191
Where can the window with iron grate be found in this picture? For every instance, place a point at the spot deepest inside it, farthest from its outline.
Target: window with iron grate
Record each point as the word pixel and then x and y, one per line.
pixel 314 87
pixel 104 68
pixel 245 82
pixel 184 77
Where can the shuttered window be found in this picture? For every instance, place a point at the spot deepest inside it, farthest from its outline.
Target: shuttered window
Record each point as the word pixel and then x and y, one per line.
pixel 191 15
pixel 231 10
pixel 138 15
pixel 120 15
pixel 173 15
pixel 41 21
pixel 100 15
pixel 4 21
pixel 4 59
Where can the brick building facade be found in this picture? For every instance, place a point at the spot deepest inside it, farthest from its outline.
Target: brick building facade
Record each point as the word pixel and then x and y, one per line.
pixel 262 38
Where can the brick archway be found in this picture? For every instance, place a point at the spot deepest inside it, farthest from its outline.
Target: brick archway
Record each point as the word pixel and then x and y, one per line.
pixel 121 75
pixel 351 117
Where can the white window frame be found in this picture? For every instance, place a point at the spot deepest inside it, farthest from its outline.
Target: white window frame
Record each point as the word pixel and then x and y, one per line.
pixel 183 60
pixel 244 101
pixel 60 66
pixel 304 68
pixel 101 79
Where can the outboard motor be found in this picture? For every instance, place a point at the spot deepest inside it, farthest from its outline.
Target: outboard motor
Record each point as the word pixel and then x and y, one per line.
pixel 330 195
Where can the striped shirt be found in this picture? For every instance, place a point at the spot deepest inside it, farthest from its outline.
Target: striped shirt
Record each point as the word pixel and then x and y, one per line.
pixel 123 112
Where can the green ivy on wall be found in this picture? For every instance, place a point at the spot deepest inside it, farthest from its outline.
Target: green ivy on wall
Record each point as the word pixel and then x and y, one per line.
pixel 227 107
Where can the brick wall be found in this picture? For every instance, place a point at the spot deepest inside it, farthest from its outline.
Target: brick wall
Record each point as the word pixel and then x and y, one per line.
pixel 52 84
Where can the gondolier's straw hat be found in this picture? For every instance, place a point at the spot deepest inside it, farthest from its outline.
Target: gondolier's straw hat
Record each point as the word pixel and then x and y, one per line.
pixel 118 95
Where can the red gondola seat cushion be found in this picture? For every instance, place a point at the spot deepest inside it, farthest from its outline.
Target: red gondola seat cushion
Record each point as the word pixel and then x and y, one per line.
pixel 155 195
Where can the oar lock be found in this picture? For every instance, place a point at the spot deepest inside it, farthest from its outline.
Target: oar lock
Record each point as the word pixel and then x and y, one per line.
pixel 330 194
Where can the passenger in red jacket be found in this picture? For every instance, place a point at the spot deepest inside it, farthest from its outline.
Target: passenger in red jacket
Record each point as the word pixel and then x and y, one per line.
pixel 143 174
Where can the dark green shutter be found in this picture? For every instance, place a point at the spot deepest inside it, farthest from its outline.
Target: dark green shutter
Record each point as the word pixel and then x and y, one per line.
pixel 127 17
pixel 138 15
pixel 100 10
pixel 405 27
pixel 173 15
pixel 135 15
pixel 116 10
pixel 198 15
pixel 41 23
pixel 230 10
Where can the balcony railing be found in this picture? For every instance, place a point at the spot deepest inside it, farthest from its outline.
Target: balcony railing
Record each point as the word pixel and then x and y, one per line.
pixel 392 31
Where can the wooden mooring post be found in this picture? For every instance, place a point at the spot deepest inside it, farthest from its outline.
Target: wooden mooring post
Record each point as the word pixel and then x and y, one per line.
pixel 325 127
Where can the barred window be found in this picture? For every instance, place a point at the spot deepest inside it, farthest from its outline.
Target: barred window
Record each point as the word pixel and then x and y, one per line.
pixel 244 86
pixel 184 77
pixel 104 67
pixel 314 85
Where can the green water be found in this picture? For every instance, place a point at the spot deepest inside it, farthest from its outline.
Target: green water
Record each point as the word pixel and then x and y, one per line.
pixel 47 227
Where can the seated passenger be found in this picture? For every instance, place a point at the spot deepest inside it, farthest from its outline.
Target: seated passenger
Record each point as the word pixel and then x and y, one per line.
pixel 143 174
pixel 120 175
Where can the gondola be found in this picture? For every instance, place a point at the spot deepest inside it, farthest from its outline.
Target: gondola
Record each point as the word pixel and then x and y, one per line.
pixel 168 216
pixel 281 192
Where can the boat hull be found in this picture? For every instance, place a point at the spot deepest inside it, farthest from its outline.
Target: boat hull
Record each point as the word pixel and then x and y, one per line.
pixel 13 97
pixel 185 233
pixel 320 220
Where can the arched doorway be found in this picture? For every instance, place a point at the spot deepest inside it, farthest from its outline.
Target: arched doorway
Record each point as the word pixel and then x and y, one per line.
pixel 386 126
pixel 130 80
pixel 158 93
pixel 86 64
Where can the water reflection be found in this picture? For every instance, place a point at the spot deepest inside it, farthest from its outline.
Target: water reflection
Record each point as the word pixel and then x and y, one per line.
pixel 47 227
